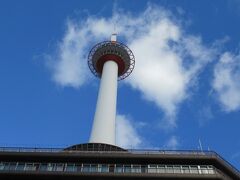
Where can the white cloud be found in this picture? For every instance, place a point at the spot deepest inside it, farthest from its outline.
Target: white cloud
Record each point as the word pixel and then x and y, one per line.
pixel 167 59
pixel 205 115
pixel 226 81
pixel 172 143
pixel 126 133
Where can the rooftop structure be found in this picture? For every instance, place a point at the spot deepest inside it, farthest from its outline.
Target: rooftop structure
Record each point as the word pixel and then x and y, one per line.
pixel 102 161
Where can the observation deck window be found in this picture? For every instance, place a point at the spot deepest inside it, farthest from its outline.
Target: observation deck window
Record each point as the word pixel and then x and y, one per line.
pixel 127 168
pixel 94 168
pixel 136 168
pixel 103 168
pixel 1 166
pixel 169 169
pixel 118 168
pixel 43 167
pixel 59 167
pixel 86 168
pixel 70 168
pixel 12 166
pixel 20 166
pixel 177 169
pixel 194 169
pixel 185 169
pixel 152 168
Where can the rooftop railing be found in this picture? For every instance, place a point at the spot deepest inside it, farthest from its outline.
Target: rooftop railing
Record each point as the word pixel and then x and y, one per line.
pixel 132 151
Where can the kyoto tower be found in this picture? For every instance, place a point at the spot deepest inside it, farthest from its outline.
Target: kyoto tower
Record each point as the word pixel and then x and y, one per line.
pixel 110 61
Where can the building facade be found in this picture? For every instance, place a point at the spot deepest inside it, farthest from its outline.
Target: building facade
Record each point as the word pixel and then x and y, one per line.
pixel 103 161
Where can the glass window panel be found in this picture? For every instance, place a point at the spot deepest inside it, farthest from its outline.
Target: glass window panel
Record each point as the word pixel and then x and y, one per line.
pixel 1 166
pixel 169 169
pixel 29 167
pixel 86 168
pixel 136 168
pixel 43 167
pixel 78 167
pixel 50 167
pixel 118 168
pixel 127 168
pixel 211 170
pixel 177 169
pixel 161 169
pixel 185 169
pixel 70 167
pixel 59 167
pixel 6 166
pixel 143 168
pixel 111 167
pixel 104 168
pixel 204 169
pixel 152 168
pixel 12 166
pixel 93 168
pixel 194 169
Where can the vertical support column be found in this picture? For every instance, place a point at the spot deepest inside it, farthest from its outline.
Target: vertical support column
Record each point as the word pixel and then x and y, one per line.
pixel 103 129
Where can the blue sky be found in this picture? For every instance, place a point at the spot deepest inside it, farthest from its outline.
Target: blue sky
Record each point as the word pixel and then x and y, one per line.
pixel 185 86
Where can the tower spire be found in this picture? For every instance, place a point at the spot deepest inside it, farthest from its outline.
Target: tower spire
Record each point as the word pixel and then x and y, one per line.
pixel 114 37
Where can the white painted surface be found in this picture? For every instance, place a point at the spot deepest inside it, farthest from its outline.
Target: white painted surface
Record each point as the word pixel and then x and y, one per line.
pixel 114 37
pixel 103 129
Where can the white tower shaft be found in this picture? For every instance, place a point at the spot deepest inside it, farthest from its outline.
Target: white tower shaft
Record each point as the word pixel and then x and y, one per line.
pixel 103 129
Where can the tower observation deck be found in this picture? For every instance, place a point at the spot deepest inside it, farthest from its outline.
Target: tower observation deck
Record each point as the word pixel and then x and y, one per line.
pixel 110 61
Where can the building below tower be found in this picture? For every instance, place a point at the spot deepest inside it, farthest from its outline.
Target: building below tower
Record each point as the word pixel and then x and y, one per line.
pixel 103 161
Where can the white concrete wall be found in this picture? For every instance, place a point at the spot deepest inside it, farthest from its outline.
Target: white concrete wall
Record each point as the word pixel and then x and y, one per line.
pixel 103 129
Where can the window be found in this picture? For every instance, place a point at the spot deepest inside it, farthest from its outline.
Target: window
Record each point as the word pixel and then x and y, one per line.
pixel 127 168
pixel 204 169
pixel 59 167
pixel 43 167
pixel 194 169
pixel 1 166
pixel 143 169
pixel 111 167
pixel 169 169
pixel 161 169
pixel 103 168
pixel 118 168
pixel 177 169
pixel 136 168
pixel 50 166
pixel 12 166
pixel 78 167
pixel 93 168
pixel 152 168
pixel 6 166
pixel 211 170
pixel 185 169
pixel 30 167
pixel 70 167
pixel 86 168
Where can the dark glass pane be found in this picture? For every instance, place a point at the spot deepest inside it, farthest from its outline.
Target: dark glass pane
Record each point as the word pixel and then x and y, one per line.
pixel 86 168
pixel 12 166
pixel 43 167
pixel 104 168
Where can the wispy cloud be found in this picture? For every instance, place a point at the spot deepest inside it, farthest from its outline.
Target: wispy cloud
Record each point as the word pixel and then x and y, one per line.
pixel 168 60
pixel 205 115
pixel 226 82
pixel 172 143
pixel 126 133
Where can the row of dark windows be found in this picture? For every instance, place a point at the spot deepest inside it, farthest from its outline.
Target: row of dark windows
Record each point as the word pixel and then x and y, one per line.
pixel 105 168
